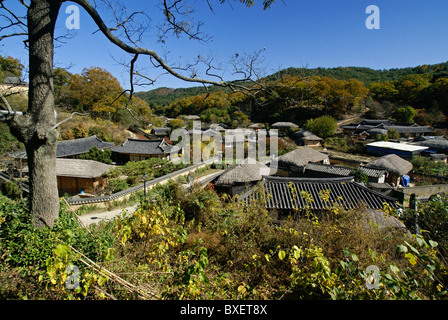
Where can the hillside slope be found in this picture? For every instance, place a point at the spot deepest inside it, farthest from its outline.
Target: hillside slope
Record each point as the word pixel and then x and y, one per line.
pixel 165 96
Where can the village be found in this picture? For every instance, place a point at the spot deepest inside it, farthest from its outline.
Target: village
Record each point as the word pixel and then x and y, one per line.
pixel 382 174
pixel 238 151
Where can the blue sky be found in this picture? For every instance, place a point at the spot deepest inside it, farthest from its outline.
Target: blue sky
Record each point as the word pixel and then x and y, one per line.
pixel 294 33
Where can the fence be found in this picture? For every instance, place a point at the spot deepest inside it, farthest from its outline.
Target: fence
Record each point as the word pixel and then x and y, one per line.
pixel 427 178
pixel 421 192
pixel 149 184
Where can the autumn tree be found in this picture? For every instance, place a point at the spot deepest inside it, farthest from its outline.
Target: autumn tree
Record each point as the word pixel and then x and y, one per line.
pixel 95 91
pixel 61 82
pixel 37 129
pixel 10 66
pixel 410 87
pixel 383 91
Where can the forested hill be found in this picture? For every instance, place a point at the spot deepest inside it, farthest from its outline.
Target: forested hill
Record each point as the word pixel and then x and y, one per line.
pixel 366 75
pixel 165 96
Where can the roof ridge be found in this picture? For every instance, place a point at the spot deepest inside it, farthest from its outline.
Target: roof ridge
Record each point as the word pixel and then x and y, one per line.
pixel 310 180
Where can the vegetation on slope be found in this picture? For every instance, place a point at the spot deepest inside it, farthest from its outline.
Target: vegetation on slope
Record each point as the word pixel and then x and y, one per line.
pixel 200 246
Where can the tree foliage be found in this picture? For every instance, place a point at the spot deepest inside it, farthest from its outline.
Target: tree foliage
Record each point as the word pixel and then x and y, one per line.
pixel 97 92
pixel 98 155
pixel 405 115
pixel 10 66
pixel 323 126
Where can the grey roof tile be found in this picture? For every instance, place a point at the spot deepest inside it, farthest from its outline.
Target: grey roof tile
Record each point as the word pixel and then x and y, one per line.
pixel 285 193
pixel 66 148
pixel 148 147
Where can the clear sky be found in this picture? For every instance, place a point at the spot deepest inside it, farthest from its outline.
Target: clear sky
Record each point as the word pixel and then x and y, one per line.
pixel 294 33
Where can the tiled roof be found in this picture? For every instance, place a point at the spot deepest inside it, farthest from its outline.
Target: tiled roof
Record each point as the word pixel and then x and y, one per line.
pixel 343 171
pixel 366 125
pixel 373 172
pixel 66 148
pixel 137 146
pixel 285 193
pixel 436 143
pixel 160 131
pixel 375 122
pixel 410 129
pixel 376 185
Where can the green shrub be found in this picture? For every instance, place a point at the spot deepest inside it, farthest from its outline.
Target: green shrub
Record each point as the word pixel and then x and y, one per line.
pixel 30 257
pixel 359 176
pixel 117 185
pixel 11 190
pixel 98 155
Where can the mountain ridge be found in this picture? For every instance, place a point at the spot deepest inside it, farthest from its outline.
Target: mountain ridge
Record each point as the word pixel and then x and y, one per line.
pixel 165 96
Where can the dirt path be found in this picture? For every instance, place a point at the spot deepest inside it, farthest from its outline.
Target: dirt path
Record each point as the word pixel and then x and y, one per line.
pixel 95 217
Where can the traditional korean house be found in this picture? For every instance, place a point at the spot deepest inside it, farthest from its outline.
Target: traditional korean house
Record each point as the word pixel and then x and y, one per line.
pixel 238 178
pixel 292 196
pixel 160 132
pixel 307 138
pixel 191 117
pixel 435 144
pixel 73 149
pixel 395 165
pixel 283 127
pixel 318 170
pixel 257 126
pixel 293 163
pixel 75 176
pixel 218 127
pixel 137 150
pixel 373 127
pixel 403 150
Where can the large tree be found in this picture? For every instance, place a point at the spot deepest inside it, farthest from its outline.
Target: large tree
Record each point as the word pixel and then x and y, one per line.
pixel 37 128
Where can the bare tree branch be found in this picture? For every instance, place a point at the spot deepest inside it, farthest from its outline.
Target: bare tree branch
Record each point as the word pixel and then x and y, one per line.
pixel 137 50
pixel 6 103
pixel 70 117
pixel 24 3
pixel 179 8
pixel 13 35
pixel 15 24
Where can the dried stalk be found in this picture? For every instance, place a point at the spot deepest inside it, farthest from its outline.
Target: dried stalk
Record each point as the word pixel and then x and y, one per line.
pixel 77 217
pixel 150 294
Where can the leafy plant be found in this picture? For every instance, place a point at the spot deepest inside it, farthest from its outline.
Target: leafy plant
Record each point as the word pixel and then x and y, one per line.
pixel 98 155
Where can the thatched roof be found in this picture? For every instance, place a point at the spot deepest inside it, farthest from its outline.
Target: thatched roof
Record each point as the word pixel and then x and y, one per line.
pixel 300 157
pixel 257 125
pixel 218 127
pixel 284 125
pixel 312 137
pixel 80 168
pixel 249 170
pixel 392 163
pixel 191 117
pixel 377 218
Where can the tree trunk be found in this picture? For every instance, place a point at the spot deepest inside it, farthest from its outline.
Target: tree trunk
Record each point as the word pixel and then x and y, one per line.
pixel 37 128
